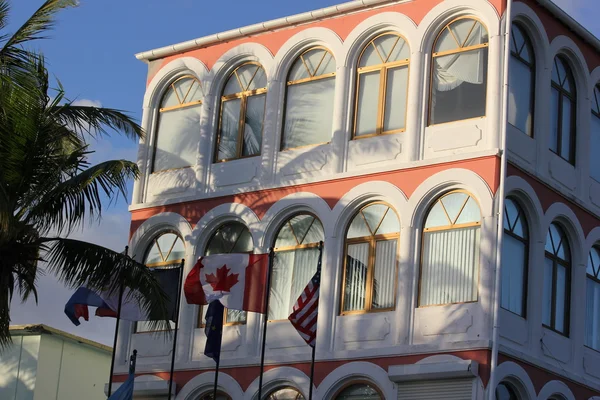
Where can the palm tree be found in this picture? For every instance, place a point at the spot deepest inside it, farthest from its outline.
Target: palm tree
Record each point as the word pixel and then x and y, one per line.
pixel 47 186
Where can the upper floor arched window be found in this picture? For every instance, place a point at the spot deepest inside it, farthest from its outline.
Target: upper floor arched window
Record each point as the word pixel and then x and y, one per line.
pixel 178 128
pixel 515 257
pixel 309 99
pixel 285 394
pixel 595 135
pixel 231 237
pixel 359 390
pixel 382 86
pixel 450 251
pixel 592 291
pixel 459 72
pixel 521 81
pixel 295 263
pixel 369 282
pixel 557 281
pixel 166 250
pixel 564 110
pixel 242 113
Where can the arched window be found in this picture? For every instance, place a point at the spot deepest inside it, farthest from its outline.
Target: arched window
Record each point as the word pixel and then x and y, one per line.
pixel 369 282
pixel 309 99
pixel 505 391
pixel 359 390
pixel 242 113
pixel 459 72
pixel 592 318
pixel 557 281
pixel 595 135
pixel 521 81
pixel 295 263
pixel 176 138
pixel 450 253
pixel 285 394
pixel 166 251
pixel 563 112
pixel 515 256
pixel 231 237
pixel 209 396
pixel 382 86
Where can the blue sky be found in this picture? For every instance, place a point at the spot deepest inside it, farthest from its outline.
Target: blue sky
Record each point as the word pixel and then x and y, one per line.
pixel 92 53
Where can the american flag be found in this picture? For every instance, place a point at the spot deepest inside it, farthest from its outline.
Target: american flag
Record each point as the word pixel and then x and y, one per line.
pixel 304 315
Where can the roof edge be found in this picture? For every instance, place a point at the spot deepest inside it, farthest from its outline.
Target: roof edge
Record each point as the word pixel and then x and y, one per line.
pixel 45 329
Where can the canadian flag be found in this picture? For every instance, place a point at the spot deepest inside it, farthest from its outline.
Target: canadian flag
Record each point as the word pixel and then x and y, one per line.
pixel 239 281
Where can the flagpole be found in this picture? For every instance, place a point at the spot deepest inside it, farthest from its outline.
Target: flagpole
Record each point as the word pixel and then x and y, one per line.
pixel 265 320
pixel 217 375
pixel 312 362
pixel 176 326
pixel 112 361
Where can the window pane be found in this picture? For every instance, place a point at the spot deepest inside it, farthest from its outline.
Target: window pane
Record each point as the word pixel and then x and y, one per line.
pixel 453 203
pixel 561 299
pixel 395 99
pixel 255 112
pixel 358 227
pixel 565 145
pixel 514 264
pixel 554 115
pixel 228 136
pixel 370 57
pixel 235 316
pixel 178 251
pixel 595 148
pixel 437 217
pixel 309 113
pixel 593 262
pixel 520 96
pixel 361 391
pixel 390 223
pixel 547 296
pixel 450 266
pixel 374 214
pixel 592 319
pixel 368 103
pixel 505 392
pixel 177 138
pixel 384 279
pixel 459 86
pixel 355 286
pixel 285 394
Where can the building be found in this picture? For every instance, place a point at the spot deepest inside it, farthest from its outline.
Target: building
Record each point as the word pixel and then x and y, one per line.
pixel 417 139
pixel 44 363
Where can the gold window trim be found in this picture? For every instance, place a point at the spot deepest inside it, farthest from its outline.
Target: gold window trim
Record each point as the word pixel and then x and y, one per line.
pixel 371 240
pixel 383 67
pixel 182 102
pixel 243 95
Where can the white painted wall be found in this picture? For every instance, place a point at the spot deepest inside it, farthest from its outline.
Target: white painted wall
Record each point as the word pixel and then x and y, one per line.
pixel 18 368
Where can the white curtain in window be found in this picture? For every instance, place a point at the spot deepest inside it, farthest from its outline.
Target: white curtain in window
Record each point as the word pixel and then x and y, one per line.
pixel 452 70
pixel 450 270
pixel 384 274
pixel 355 289
pixel 592 315
pixel 177 138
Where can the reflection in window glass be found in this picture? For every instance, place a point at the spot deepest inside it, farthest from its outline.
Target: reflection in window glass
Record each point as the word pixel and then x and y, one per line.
pixel 363 391
pixel 309 100
pixel 450 253
pixel 459 72
pixel 521 81
pixel 563 111
pixel 285 394
pixel 555 308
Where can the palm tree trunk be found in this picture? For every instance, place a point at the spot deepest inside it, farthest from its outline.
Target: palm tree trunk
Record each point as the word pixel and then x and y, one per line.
pixel 5 289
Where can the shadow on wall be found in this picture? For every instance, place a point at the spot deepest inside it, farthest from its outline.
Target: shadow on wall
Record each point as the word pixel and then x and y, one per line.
pixel 18 369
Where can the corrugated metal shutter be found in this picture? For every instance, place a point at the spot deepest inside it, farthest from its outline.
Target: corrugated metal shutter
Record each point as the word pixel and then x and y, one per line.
pixel 455 389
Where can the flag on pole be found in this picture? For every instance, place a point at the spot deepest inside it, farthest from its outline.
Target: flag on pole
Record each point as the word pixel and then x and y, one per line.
pixel 305 311
pixel 108 303
pixel 125 391
pixel 213 329
pixel 238 281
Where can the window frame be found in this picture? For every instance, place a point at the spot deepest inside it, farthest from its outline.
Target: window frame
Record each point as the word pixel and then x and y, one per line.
pixel 243 96
pixel 289 83
pixel 526 242
pixel 595 112
pixel 372 241
pixel 596 280
pixel 527 42
pixel 200 323
pixel 181 105
pixel 382 97
pixel 556 261
pixel 562 93
pixel 444 228
pixel 353 382
pixel 456 51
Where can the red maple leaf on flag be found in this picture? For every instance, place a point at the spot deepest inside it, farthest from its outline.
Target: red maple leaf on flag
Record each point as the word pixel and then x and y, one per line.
pixel 223 281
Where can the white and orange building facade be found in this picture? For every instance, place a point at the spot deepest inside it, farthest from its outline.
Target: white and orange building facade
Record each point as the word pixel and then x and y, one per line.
pixel 443 153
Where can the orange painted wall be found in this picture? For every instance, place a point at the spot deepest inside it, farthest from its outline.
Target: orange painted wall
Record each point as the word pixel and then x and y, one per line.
pixel 342 25
pixel 330 191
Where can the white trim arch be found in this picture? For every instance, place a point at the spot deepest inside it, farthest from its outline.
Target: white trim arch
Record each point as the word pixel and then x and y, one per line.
pixel 565 46
pixel 561 213
pixel 534 27
pixel 519 189
pixel 280 377
pixel 553 388
pixel 592 238
pixel 594 80
pixel 358 370
pixel 205 381
pixel 517 377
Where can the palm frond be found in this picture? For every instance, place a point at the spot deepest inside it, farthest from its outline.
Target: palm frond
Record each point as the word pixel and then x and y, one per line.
pixel 4 11
pixel 77 263
pixel 95 120
pixel 68 203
